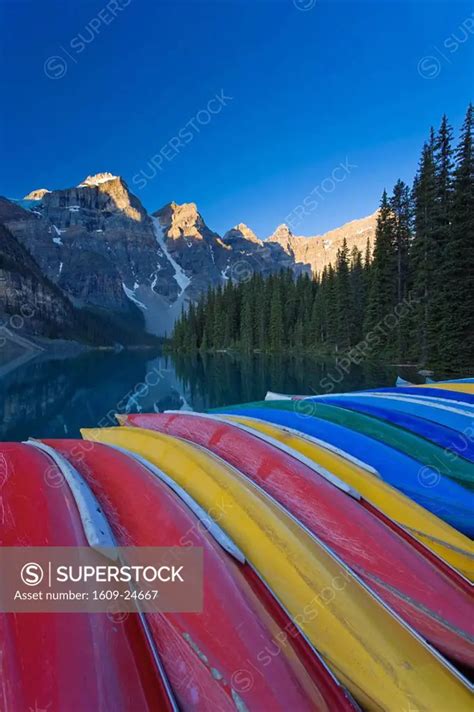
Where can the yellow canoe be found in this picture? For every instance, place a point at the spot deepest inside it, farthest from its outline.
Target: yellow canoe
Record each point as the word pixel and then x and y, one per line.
pixel 460 387
pixel 449 544
pixel 385 665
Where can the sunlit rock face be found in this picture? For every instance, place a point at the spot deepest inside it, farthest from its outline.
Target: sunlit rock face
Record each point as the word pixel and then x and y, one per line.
pixel 320 251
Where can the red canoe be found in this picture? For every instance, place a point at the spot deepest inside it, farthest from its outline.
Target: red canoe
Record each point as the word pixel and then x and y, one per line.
pixel 432 603
pixel 61 661
pixel 214 660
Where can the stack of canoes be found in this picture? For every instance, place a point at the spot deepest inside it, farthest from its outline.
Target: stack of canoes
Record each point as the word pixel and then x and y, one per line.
pixel 338 562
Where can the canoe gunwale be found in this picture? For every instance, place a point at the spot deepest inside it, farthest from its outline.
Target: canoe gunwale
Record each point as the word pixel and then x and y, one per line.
pixel 94 522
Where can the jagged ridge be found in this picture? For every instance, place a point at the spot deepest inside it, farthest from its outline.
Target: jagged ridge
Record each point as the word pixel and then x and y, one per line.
pixel 97 242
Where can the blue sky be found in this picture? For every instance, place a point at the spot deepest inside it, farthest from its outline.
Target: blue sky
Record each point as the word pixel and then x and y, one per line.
pixel 313 84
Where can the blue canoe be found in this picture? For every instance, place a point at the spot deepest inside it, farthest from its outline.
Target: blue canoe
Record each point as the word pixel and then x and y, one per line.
pixel 440 394
pixel 447 500
pixel 449 415
pixel 439 434
pixel 458 380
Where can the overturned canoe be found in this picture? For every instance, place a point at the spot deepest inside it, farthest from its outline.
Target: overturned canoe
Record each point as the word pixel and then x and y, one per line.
pixel 436 605
pixel 381 661
pixel 442 395
pixel 465 385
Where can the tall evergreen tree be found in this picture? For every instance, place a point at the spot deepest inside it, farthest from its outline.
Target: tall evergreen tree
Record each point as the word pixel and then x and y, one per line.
pixel 358 295
pixel 315 332
pixel 276 316
pixel 382 292
pixel 247 327
pixel 442 226
pixel 458 323
pixel 400 205
pixel 343 296
pixel 330 306
pixel 422 251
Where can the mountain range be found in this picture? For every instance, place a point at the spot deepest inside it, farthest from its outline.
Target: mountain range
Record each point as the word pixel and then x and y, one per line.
pixel 91 259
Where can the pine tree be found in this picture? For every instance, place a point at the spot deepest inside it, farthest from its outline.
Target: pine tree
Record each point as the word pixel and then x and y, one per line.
pixel 343 298
pixel 458 323
pixel 400 205
pixel 357 295
pixel 382 293
pixel 316 323
pixel 368 255
pixel 276 316
pixel 330 307
pixel 442 226
pixel 298 339
pixel 422 253
pixel 247 326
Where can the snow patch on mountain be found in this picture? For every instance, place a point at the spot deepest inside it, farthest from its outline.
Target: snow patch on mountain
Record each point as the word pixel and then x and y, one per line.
pixel 131 295
pixel 98 179
pixel 181 278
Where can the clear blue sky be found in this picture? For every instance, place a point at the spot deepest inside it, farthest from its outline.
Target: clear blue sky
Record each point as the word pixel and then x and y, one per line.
pixel 309 87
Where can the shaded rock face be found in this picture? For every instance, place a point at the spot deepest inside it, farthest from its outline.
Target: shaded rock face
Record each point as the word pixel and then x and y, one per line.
pixel 28 301
pixel 250 254
pixel 321 250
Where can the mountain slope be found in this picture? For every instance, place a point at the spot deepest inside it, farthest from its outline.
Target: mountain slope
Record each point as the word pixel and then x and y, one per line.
pixel 31 304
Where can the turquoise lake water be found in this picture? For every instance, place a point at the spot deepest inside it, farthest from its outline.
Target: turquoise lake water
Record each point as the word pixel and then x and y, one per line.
pixel 53 396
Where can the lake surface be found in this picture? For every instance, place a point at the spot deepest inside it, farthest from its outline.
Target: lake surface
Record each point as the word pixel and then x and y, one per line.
pixel 53 396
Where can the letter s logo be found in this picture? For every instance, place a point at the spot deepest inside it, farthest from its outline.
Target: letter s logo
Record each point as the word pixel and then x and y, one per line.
pixel 32 574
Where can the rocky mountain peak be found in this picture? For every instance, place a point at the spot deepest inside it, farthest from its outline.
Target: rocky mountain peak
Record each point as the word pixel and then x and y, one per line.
pixel 102 193
pixel 182 221
pixel 97 179
pixel 320 251
pixel 282 231
pixel 283 236
pixel 240 232
pixel 37 194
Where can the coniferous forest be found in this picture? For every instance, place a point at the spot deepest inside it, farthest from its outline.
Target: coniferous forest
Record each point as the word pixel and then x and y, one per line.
pixel 409 297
